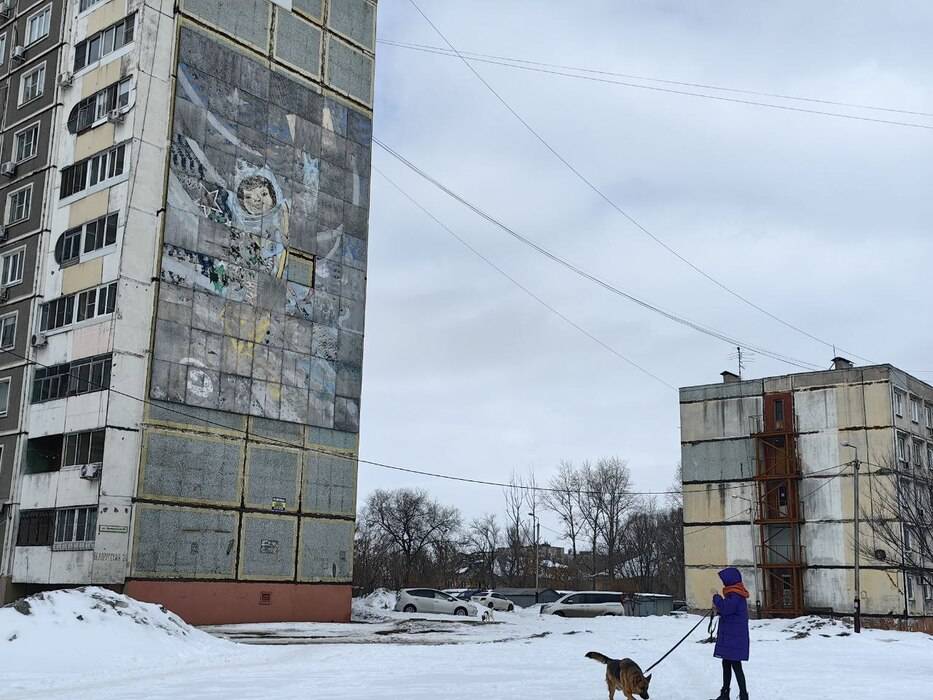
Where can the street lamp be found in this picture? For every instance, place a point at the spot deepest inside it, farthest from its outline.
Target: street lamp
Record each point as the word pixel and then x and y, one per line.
pixel 536 531
pixel 751 521
pixel 858 599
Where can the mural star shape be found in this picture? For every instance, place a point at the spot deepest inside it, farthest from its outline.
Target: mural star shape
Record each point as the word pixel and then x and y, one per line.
pixel 208 202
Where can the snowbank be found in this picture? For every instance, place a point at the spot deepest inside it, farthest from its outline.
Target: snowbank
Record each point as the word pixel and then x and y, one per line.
pixel 374 606
pixel 79 627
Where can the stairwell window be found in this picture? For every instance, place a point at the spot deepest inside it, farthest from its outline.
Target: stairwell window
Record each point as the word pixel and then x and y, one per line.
pixel 96 46
pixel 32 85
pixel 26 143
pixel 99 168
pixel 8 331
pixel 13 264
pixel 38 25
pixel 75 528
pixel 19 205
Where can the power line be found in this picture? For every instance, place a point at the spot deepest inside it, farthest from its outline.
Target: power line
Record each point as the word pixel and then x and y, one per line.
pixel 589 183
pixel 561 70
pixel 525 289
pixel 801 364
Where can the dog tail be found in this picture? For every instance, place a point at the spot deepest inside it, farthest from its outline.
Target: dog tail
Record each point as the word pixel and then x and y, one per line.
pixel 596 656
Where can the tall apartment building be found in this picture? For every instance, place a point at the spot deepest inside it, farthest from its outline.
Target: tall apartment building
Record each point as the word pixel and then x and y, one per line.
pixel 185 275
pixel 769 487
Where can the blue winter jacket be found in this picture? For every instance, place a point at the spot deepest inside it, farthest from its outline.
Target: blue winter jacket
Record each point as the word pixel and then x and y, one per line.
pixel 732 640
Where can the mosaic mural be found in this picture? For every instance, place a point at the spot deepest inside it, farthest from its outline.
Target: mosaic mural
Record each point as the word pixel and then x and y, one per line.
pixel 261 301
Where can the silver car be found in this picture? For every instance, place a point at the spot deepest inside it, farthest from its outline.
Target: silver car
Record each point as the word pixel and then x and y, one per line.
pixel 585 604
pixel 429 600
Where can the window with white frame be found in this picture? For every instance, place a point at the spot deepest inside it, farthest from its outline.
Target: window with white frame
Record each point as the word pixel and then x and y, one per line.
pixel 83 448
pixel 929 410
pixel 19 204
pixel 32 85
pixel 898 402
pixel 13 264
pixel 903 450
pixel 910 586
pixel 75 528
pixel 26 143
pixel 99 168
pixel 106 41
pixel 5 395
pixel 930 456
pixel 85 239
pixel 7 331
pixel 915 409
pixel 927 591
pixel 2 47
pixel 73 308
pixel 917 453
pixel 85 4
pixel 38 24
pixel 93 110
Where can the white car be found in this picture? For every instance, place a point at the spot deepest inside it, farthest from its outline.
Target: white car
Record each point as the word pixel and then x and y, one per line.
pixel 585 604
pixel 428 600
pixel 493 601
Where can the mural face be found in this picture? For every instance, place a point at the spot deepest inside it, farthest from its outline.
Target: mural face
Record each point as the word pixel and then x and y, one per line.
pixel 261 300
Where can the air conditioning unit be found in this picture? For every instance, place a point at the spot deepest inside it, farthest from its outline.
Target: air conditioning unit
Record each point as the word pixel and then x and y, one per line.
pixel 18 54
pixel 66 80
pixel 91 471
pixel 8 168
pixel 39 340
pixel 115 116
pixel 880 554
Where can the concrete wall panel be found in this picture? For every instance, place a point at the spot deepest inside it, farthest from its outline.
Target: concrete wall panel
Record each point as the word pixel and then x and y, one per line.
pixel 329 484
pixel 717 419
pixel 325 550
pixel 718 460
pixel 272 478
pixel 192 468
pixel 184 542
pixel 267 549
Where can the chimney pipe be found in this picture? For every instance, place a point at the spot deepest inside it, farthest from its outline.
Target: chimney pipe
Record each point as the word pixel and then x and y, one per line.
pixel 730 377
pixel 842 363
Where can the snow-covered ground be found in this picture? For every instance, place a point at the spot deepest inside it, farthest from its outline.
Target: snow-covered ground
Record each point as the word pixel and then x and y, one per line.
pixel 97 645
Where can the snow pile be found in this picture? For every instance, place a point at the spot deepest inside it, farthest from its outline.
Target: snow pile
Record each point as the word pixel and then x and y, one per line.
pixel 76 627
pixel 374 606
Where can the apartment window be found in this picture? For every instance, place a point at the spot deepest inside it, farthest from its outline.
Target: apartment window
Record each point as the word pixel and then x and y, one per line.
pixel 18 205
pixel 91 303
pixel 917 453
pixel 100 233
pixel 902 449
pixel 2 47
pixel 37 26
pixel 97 302
pixel 915 410
pixel 7 331
pixel 13 264
pixel 75 528
pixel 26 143
pixel 84 448
pixel 111 39
pixel 927 591
pixel 930 456
pixel 68 247
pixel 5 395
pixel 36 528
pixel 93 110
pixel 929 412
pixel 910 586
pixel 71 379
pixel 94 170
pixel 92 236
pixel 85 4
pixel 32 85
pixel 898 402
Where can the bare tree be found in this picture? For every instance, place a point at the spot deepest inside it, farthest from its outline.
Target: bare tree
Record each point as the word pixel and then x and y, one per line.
pixel 513 563
pixel 483 539
pixel 408 521
pixel 589 505
pixel 564 501
pixel 611 481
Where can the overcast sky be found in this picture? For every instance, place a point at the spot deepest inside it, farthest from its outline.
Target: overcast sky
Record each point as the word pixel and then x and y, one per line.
pixel 821 220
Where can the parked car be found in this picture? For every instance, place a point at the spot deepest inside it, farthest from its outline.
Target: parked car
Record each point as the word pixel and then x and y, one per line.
pixel 428 600
pixel 585 604
pixel 463 593
pixel 493 601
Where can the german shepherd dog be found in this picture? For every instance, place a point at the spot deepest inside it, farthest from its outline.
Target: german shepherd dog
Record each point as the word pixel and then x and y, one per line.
pixel 624 675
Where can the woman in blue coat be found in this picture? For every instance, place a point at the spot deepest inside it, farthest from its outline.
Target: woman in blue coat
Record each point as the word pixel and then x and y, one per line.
pixel 732 639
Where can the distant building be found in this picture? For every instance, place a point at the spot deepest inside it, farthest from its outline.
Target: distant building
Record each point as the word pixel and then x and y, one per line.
pixel 185 214
pixel 777 445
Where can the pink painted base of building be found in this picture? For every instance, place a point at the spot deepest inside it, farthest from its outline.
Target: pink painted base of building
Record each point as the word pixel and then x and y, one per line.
pixel 219 603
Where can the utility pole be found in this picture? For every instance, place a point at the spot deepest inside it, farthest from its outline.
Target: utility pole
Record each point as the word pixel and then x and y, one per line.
pixel 536 530
pixel 858 595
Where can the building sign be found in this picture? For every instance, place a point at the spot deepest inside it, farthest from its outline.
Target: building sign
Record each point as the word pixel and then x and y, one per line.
pixel 114 528
pixel 278 503
pixel 269 546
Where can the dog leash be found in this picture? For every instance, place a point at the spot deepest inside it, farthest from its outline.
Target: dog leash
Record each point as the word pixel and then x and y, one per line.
pixel 682 640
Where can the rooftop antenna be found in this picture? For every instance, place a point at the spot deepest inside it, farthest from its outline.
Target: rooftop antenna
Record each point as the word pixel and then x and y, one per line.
pixel 743 358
